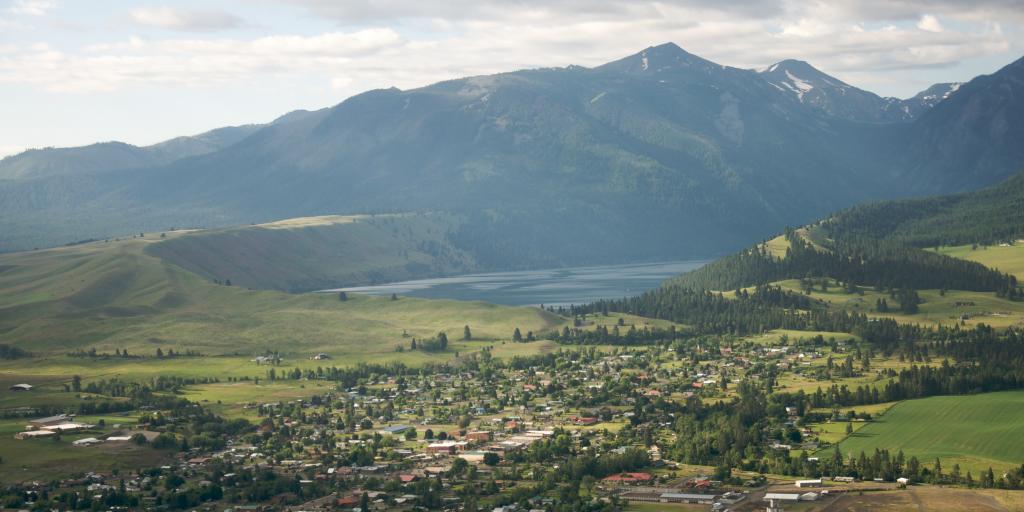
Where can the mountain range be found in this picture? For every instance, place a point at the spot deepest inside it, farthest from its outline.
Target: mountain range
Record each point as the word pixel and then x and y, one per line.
pixel 659 155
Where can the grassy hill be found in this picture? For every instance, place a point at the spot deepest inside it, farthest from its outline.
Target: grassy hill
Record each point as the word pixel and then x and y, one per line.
pixel 1004 257
pixel 322 252
pixel 975 431
pixel 115 295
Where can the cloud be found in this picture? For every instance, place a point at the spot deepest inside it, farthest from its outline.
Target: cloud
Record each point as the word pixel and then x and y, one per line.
pixel 185 20
pixel 32 7
pixel 407 44
pixel 930 23
pixel 188 62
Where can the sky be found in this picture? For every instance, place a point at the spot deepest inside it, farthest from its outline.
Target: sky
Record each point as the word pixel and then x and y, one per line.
pixel 74 72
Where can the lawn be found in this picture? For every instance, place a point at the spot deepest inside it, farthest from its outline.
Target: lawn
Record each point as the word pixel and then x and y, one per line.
pixel 975 431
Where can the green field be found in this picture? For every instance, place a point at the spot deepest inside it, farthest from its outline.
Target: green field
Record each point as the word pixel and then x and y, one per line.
pixel 937 309
pixel 116 296
pixel 975 431
pixel 1008 259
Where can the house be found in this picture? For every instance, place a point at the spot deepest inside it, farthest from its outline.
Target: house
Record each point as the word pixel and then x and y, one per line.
pixel 475 456
pixel 50 420
pixel 395 430
pixel 629 478
pixel 479 435
pixel 86 441
pixel 68 427
pixel 21 387
pixel 809 483
pixel 34 434
pixel 676 497
pixel 584 421
pixel 445 447
pixel 781 496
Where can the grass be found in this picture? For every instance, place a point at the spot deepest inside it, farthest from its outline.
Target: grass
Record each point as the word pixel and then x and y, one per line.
pixel 116 296
pixel 975 431
pixel 1008 259
pixel 937 309
pixel 315 253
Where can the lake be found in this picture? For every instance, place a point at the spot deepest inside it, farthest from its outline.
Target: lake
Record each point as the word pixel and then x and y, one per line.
pixel 577 285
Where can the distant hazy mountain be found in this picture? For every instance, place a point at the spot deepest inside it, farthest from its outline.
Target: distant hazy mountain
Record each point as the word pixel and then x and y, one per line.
pixel 658 155
pixel 973 138
pixel 113 156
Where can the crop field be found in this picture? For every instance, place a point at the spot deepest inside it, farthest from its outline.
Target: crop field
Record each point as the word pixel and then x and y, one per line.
pixel 1008 259
pixel 975 431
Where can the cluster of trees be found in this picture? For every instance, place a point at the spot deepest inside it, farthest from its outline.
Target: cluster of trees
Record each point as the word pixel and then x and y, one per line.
pixel 438 343
pixel 601 335
pixel 11 352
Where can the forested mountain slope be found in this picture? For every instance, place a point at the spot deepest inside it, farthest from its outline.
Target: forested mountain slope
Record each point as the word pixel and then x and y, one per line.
pixel 879 244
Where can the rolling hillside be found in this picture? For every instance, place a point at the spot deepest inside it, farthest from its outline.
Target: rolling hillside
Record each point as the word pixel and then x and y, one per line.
pixel 113 295
pixel 880 244
pixel 316 253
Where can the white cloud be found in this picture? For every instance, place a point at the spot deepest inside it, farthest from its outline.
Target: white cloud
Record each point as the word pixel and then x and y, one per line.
pixel 186 20
pixel 412 43
pixel 32 7
pixel 930 23
pixel 189 62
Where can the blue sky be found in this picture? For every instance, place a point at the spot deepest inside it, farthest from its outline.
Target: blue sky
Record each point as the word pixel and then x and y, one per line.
pixel 74 72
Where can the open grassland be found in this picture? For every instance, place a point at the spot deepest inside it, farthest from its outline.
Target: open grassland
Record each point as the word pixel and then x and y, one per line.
pixel 1008 259
pixel 975 431
pixel 937 309
pixel 116 296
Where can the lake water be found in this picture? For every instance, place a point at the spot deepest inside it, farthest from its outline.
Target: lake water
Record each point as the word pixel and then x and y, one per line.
pixel 555 287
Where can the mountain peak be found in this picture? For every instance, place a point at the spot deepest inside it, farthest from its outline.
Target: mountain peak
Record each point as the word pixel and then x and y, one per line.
pixel 657 58
pixel 795 71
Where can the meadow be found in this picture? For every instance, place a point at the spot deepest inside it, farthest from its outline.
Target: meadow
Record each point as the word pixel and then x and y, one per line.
pixel 1008 258
pixel 938 308
pixel 975 431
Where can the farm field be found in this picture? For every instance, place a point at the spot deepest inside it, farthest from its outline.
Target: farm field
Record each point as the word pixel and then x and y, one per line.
pixel 975 431
pixel 1008 259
